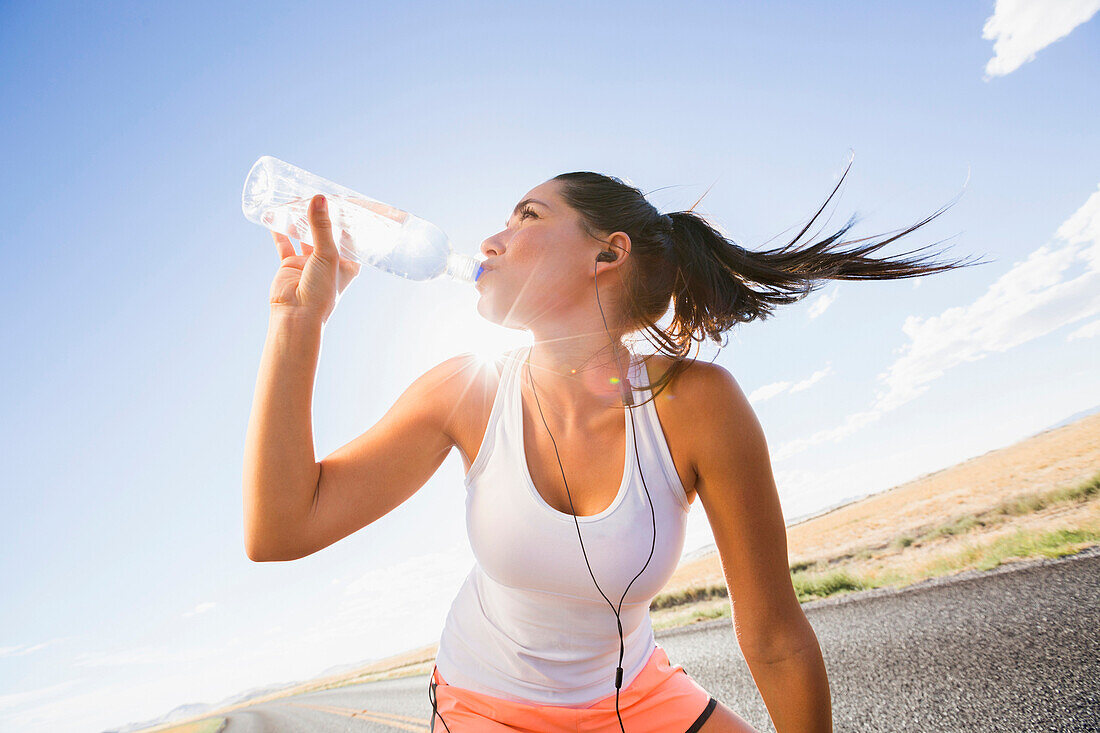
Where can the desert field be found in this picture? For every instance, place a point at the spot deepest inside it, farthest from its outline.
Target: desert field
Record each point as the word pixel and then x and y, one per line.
pixel 1065 456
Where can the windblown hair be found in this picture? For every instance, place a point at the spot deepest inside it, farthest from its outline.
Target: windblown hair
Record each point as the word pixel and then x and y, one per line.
pixel 712 282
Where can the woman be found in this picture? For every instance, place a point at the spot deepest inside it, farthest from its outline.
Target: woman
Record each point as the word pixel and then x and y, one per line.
pixel 551 630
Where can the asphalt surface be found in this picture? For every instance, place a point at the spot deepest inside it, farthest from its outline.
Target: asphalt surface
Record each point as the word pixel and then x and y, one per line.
pixel 1015 649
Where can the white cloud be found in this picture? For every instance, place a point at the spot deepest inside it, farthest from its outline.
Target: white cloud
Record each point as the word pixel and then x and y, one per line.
pixel 1020 29
pixel 1084 228
pixel 822 302
pixel 143 655
pixel 1087 331
pixel 766 392
pixel 21 649
pixel 201 608
pixel 760 394
pixel 812 379
pixel 1035 297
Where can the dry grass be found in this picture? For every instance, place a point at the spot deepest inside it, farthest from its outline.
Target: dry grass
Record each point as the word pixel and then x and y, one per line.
pixel 1067 456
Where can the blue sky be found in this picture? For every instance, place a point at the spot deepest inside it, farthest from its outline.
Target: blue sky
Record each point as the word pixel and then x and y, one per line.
pixel 136 306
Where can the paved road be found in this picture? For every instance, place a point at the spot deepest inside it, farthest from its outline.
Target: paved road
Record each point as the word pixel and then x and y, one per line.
pixel 1012 649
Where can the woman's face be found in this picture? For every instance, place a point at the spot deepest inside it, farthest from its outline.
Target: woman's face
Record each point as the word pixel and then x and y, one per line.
pixel 539 267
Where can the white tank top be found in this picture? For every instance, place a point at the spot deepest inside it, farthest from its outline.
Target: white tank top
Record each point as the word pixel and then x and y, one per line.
pixel 528 623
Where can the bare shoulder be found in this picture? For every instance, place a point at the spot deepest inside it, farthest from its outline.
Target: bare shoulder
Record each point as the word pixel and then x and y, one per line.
pixel 717 401
pixel 695 387
pixel 467 384
pixel 702 401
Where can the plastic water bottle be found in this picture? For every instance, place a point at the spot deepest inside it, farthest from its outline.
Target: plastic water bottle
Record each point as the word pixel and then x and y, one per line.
pixel 277 194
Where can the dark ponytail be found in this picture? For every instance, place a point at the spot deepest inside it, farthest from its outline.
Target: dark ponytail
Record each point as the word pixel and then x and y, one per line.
pixel 712 282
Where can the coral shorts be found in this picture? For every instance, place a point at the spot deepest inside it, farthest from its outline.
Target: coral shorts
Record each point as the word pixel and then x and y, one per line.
pixel 661 699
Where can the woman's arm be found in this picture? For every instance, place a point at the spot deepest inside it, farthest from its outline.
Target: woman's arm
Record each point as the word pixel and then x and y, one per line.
pixel 796 689
pixel 280 468
pixel 737 490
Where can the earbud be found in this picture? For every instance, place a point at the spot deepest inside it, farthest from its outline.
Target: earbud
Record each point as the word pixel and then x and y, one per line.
pixel 606 257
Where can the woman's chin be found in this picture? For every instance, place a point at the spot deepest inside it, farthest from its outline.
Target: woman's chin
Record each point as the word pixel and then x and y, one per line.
pixel 488 312
pixel 493 311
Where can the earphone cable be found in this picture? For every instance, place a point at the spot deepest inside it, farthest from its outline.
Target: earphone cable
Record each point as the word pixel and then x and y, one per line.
pixel 617 612
pixel 628 400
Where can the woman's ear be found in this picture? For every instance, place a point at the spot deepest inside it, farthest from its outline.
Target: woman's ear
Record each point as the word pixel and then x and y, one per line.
pixel 619 244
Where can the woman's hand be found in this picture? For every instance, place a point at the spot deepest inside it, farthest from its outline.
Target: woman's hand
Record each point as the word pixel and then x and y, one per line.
pixel 310 284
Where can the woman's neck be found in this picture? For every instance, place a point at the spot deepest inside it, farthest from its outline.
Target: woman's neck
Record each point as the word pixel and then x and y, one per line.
pixel 577 379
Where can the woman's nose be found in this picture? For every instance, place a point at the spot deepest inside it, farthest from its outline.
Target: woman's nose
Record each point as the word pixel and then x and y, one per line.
pixel 490 247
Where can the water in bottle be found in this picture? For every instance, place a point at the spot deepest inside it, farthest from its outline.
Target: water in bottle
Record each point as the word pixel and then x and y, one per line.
pixel 277 195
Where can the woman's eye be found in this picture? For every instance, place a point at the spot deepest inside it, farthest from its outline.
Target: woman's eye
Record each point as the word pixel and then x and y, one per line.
pixel 523 215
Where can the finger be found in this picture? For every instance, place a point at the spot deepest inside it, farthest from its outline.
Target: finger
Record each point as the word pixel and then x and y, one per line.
pixel 319 223
pixel 320 271
pixel 307 249
pixel 282 245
